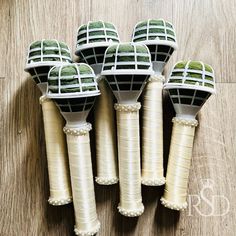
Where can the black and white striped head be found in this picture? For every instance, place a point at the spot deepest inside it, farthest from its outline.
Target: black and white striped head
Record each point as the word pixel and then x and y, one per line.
pixel 93 39
pixel 127 67
pixel 73 87
pixel 159 36
pixel 190 84
pixel 42 55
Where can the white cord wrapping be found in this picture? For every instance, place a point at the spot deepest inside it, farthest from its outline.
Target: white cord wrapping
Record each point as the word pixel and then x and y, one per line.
pixel 129 159
pixel 86 222
pixel 179 163
pixel 152 140
pixel 58 168
pixel 106 150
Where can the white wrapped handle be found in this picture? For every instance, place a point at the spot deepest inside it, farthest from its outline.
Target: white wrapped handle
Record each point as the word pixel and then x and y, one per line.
pixel 179 163
pixel 86 222
pixel 152 138
pixel 57 158
pixel 129 159
pixel 106 150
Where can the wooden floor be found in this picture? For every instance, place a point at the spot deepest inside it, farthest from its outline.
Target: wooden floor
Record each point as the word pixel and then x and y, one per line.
pixel 205 31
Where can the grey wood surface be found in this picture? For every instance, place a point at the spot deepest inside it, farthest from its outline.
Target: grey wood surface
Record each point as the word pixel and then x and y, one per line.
pixel 205 31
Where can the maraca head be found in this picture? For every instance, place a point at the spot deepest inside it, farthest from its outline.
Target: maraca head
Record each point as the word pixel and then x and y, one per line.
pixel 44 54
pixel 127 67
pixel 73 88
pixel 190 84
pixel 159 36
pixel 92 41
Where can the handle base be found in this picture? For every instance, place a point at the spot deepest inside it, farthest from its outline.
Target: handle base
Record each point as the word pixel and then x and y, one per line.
pixel 59 202
pixel 153 182
pixel 106 180
pixel 131 213
pixel 173 206
pixel 91 232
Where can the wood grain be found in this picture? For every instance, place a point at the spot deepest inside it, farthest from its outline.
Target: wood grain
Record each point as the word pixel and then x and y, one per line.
pixel 205 30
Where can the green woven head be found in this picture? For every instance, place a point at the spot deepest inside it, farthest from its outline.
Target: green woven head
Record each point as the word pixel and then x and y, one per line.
pixel 194 74
pixel 42 56
pixel 72 86
pixel 127 67
pixel 49 52
pixel 93 40
pixel 154 29
pixel 72 79
pixel 190 85
pixel 159 36
pixel 127 56
pixel 97 31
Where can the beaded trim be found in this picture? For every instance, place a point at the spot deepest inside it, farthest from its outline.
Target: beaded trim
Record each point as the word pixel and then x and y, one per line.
pixel 182 121
pixel 127 107
pixel 173 206
pixel 159 78
pixel 88 233
pixel 131 213
pixel 78 132
pixel 154 182
pixel 43 99
pixel 59 202
pixel 106 181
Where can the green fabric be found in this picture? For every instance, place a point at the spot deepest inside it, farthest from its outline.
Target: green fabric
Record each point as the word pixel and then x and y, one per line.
pixel 48 43
pixel 97 24
pixel 100 32
pixel 157 31
pixel 71 71
pixel 83 27
pixel 171 32
pixel 110 56
pixel 109 25
pixel 151 22
pixel 169 25
pixel 193 65
pixel 127 48
pixel 158 22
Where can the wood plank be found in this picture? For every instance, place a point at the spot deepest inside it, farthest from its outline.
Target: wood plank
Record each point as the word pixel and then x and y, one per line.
pixel 205 31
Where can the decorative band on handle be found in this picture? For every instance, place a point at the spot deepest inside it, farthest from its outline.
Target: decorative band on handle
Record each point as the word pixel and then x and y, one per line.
pixel 106 150
pixel 78 131
pixel 152 138
pixel 57 158
pixel 175 192
pixel 127 107
pixel 129 159
pixel 156 78
pixel 86 222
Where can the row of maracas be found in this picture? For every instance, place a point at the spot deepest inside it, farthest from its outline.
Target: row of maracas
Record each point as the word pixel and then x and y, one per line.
pixel 126 69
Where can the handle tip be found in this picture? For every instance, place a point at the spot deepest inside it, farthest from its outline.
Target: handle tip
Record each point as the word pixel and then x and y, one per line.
pixel 59 201
pixel 91 232
pixel 154 182
pixel 131 213
pixel 106 180
pixel 173 205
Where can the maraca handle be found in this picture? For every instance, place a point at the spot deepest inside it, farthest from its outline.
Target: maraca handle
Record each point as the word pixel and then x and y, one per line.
pixel 179 163
pixel 152 140
pixel 106 150
pixel 129 159
pixel 78 142
pixel 58 167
